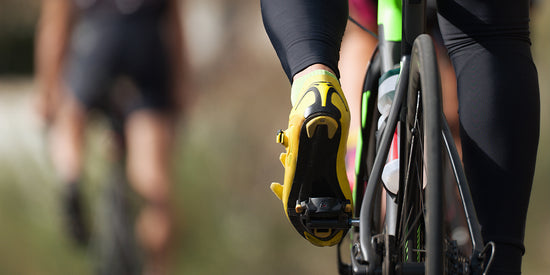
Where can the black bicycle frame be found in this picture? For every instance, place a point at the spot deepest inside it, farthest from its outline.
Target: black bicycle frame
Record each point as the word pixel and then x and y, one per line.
pixel 391 53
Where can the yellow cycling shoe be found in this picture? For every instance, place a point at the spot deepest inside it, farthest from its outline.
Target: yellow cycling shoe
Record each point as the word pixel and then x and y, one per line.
pixel 316 195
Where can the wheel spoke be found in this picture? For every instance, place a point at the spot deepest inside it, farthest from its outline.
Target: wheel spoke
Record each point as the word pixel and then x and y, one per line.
pixel 413 211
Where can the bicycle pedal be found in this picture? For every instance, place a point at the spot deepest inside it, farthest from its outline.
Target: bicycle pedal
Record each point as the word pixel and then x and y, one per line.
pixel 323 214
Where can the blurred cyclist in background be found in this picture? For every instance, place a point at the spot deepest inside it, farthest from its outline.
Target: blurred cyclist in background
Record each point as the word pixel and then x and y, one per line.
pixel 85 49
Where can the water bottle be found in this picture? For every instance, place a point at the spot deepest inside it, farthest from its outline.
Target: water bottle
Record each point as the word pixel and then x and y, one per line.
pixel 390 174
pixel 386 93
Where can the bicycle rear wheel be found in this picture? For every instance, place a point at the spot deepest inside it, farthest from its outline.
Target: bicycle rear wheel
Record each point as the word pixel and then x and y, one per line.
pixel 115 247
pixel 420 223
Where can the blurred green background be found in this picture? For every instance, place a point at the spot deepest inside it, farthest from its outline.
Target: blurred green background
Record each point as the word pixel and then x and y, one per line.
pixel 226 157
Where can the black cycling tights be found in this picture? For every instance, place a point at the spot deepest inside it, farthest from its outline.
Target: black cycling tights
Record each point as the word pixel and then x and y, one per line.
pixel 305 32
pixel 499 107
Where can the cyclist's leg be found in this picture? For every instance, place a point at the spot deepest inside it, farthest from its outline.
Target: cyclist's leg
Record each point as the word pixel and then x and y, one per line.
pixel 149 131
pixel 87 73
pixel 306 36
pixel 306 32
pixel 67 137
pixel 149 146
pixel 356 51
pixel 67 146
pixel 447 73
pixel 499 115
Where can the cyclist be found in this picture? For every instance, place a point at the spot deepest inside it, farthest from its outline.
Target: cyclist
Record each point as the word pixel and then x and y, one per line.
pixel 499 109
pixel 85 49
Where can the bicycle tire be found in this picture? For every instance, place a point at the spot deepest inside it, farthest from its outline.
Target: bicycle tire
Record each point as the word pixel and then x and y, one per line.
pixel 366 144
pixel 116 250
pixel 419 200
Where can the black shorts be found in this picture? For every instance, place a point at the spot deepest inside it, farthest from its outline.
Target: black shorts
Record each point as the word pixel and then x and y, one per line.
pixel 105 51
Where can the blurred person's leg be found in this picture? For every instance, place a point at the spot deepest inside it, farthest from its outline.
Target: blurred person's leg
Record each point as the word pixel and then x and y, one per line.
pixel 153 59
pixel 499 112
pixel 149 137
pixel 87 73
pixel 66 150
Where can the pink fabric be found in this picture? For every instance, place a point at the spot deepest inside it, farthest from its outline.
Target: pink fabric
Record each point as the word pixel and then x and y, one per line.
pixel 364 11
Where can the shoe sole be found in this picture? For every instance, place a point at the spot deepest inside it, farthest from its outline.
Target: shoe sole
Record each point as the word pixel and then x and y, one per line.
pixel 316 181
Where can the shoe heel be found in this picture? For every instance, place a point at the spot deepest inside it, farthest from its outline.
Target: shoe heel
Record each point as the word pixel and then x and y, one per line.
pixel 330 123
